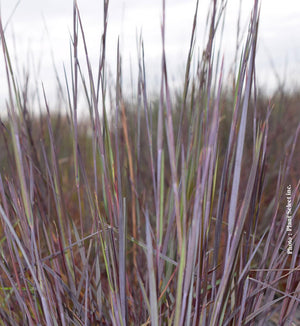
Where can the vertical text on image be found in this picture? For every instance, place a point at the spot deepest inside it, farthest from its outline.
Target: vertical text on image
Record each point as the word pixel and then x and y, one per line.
pixel 289 225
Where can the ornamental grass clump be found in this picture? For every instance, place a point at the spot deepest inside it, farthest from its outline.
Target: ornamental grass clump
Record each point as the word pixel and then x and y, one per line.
pixel 148 211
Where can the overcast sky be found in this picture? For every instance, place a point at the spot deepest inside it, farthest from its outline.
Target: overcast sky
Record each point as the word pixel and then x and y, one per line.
pixel 39 26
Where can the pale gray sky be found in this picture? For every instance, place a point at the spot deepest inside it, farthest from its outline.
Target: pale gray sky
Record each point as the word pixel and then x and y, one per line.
pixel 279 39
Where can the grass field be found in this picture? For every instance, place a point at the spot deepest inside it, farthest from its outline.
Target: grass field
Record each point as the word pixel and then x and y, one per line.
pixel 178 210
